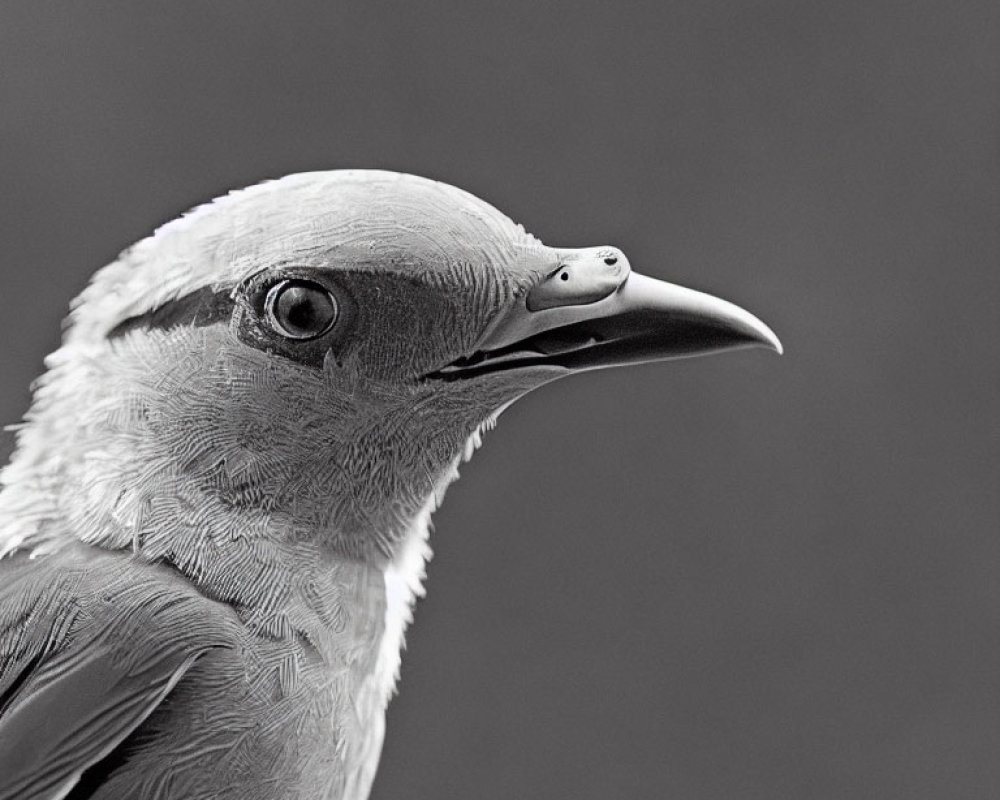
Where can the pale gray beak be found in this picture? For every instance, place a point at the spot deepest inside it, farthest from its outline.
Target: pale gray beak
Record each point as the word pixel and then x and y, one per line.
pixel 595 312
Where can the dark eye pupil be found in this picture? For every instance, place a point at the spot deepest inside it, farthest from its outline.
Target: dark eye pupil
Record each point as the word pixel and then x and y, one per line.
pixel 302 310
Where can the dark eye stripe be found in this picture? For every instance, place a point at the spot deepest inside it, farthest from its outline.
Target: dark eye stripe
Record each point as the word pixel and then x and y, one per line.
pixel 242 309
pixel 202 307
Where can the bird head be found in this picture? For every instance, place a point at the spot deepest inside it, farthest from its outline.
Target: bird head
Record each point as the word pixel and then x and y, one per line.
pixel 307 360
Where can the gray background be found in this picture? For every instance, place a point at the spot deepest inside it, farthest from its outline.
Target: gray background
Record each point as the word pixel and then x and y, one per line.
pixel 735 577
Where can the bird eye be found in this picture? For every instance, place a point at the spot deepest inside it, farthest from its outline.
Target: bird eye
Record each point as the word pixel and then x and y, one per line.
pixel 300 309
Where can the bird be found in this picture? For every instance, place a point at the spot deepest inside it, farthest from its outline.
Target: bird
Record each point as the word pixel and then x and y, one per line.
pixel 214 525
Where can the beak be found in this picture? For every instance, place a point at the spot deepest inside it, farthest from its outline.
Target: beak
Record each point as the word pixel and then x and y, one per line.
pixel 634 319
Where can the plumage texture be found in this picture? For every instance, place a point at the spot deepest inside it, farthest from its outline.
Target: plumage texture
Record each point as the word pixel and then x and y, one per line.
pixel 99 679
pixel 256 524
pixel 214 526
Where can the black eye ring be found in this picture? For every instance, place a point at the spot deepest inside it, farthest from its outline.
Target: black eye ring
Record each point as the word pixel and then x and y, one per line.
pixel 299 309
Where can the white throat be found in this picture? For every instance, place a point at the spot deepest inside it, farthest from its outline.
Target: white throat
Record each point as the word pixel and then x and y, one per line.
pixel 405 574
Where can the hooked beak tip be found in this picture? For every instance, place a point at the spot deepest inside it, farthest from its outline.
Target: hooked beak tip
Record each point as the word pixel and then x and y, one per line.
pixel 765 337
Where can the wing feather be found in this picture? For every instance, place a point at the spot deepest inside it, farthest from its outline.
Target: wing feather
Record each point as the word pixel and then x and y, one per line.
pixel 86 655
pixel 64 720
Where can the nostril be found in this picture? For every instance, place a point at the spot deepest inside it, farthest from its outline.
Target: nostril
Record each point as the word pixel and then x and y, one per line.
pixel 611 260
